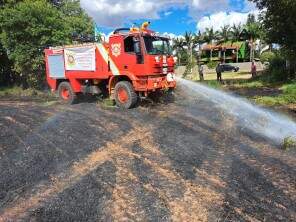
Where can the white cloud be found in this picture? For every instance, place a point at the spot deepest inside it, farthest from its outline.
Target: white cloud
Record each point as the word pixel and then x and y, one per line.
pixel 168 13
pixel 221 19
pixel 209 5
pixel 113 13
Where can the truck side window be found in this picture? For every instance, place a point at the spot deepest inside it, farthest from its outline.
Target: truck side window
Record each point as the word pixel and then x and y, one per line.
pixel 129 44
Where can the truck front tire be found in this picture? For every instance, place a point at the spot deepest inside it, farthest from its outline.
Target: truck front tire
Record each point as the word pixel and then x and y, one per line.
pixel 66 93
pixel 125 95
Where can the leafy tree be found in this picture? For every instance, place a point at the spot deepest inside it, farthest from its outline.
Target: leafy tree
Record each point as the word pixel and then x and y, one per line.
pixel 75 16
pixel 28 27
pixel 178 44
pixel 199 40
pixel 279 22
pixel 224 34
pixel 251 19
pixel 236 32
pixel 210 36
pixel 251 32
pixel 190 44
pixel 6 73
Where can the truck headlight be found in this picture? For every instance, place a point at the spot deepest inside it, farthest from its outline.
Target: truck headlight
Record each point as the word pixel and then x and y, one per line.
pixel 170 77
pixel 157 59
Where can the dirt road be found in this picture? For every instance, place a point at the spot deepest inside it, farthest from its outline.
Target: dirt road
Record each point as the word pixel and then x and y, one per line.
pixel 182 161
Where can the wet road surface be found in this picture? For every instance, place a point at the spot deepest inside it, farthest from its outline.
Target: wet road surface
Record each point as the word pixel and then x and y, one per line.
pixel 181 161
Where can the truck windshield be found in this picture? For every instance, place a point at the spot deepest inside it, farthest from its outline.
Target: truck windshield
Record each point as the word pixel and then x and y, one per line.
pixel 157 45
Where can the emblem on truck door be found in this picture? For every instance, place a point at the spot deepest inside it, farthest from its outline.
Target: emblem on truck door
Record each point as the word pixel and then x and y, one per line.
pixel 116 49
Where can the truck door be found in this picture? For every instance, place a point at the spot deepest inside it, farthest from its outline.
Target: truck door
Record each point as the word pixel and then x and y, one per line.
pixel 124 51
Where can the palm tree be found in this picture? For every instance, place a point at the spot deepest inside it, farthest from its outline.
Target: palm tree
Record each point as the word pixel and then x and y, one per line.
pixel 178 44
pixel 224 34
pixel 252 33
pixel 199 39
pixel 210 36
pixel 190 44
pixel 236 35
pixel 236 32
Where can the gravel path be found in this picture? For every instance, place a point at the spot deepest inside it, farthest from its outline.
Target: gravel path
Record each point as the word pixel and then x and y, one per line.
pixel 182 161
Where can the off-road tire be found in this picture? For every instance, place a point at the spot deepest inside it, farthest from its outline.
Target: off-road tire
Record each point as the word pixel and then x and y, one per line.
pixel 72 98
pixel 132 97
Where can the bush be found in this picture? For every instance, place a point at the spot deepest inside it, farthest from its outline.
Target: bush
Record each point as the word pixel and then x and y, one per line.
pixel 277 70
pixel 28 27
pixel 267 57
pixel 212 64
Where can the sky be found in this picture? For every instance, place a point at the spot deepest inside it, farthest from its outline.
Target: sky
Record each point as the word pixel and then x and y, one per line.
pixel 168 16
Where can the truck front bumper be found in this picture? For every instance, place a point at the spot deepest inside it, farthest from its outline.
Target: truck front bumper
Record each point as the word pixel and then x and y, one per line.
pixel 154 83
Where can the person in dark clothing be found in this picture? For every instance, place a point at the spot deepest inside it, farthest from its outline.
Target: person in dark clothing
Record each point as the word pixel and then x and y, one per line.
pixel 201 72
pixel 219 72
pixel 254 69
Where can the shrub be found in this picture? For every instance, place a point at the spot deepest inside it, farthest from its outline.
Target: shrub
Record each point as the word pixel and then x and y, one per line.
pixel 212 64
pixel 289 143
pixel 267 56
pixel 277 70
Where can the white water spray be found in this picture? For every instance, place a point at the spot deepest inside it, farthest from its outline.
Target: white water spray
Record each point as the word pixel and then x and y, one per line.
pixel 261 121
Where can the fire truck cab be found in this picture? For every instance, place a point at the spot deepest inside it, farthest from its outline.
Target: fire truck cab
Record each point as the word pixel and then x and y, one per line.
pixel 132 64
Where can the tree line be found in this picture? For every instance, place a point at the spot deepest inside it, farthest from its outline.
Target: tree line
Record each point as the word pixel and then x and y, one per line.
pixel 276 25
pixel 186 46
pixel 27 27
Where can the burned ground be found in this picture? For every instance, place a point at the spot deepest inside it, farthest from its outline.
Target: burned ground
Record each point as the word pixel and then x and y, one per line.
pixel 182 161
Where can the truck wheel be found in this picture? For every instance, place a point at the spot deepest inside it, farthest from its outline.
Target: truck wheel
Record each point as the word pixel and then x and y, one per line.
pixel 125 96
pixel 66 93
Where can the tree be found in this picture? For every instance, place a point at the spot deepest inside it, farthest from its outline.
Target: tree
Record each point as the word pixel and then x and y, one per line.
pixel 75 17
pixel 178 44
pixel 279 22
pixel 199 39
pixel 224 34
pixel 29 26
pixel 236 32
pixel 6 73
pixel 210 36
pixel 190 44
pixel 252 33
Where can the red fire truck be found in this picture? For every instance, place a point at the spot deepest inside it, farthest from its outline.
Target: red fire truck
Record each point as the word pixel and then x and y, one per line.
pixel 131 65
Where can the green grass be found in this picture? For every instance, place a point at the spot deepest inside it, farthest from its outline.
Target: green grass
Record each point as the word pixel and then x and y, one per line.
pixel 213 84
pixel 288 96
pixel 240 81
pixel 289 143
pixel 18 93
pixel 107 103
pixel 248 84
pixel 12 91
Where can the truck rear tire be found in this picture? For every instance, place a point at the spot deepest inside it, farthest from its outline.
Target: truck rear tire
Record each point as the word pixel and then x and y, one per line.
pixel 66 93
pixel 125 95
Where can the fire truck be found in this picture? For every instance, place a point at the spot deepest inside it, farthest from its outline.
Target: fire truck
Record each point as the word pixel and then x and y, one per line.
pixel 132 64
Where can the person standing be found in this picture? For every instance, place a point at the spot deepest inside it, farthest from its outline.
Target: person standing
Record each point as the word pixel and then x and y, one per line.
pixel 253 69
pixel 201 72
pixel 219 72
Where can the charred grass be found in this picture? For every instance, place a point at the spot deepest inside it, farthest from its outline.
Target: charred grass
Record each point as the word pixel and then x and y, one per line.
pixel 181 161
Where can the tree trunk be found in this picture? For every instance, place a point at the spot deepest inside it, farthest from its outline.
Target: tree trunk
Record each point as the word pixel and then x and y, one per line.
pixel 236 55
pixel 251 50
pixel 211 55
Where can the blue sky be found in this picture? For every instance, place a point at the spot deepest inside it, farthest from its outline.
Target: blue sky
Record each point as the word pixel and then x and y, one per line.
pixel 168 16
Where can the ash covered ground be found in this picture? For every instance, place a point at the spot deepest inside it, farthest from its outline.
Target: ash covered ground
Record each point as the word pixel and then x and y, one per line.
pixel 179 161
